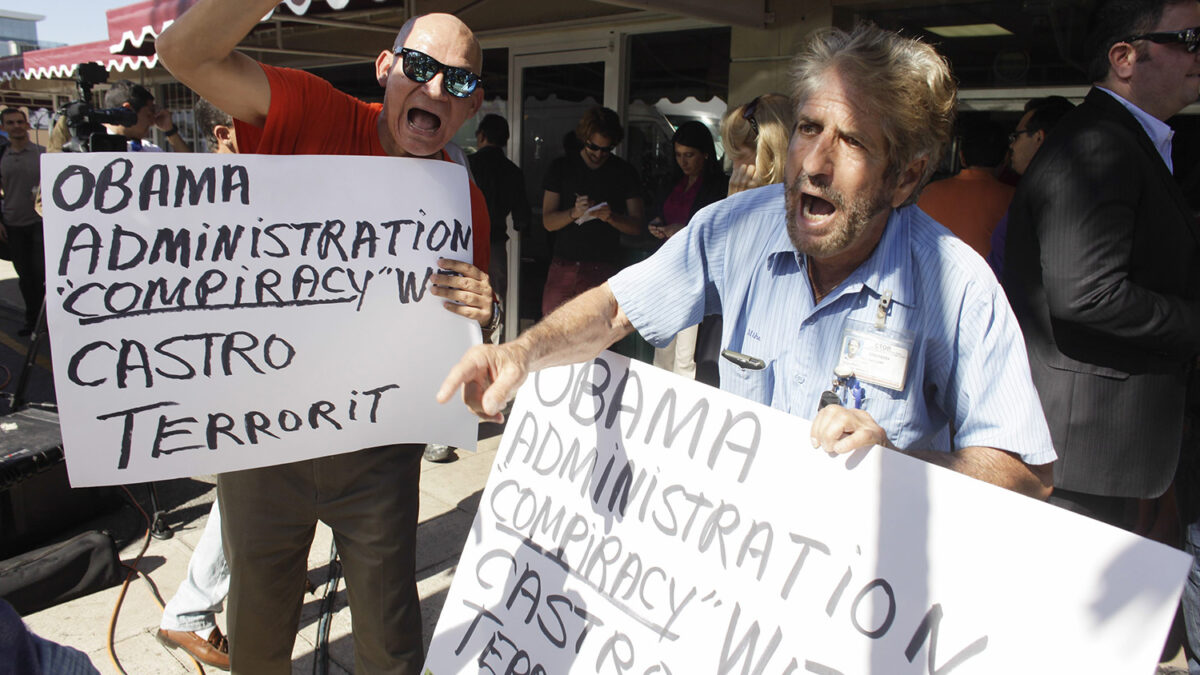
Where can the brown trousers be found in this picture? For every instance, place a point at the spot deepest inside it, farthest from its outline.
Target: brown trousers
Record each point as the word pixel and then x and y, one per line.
pixel 268 516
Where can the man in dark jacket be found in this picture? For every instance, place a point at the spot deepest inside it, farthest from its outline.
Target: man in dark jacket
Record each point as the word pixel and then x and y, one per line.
pixel 1104 265
pixel 503 188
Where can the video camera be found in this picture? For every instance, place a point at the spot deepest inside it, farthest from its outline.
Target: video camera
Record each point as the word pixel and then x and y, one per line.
pixel 86 122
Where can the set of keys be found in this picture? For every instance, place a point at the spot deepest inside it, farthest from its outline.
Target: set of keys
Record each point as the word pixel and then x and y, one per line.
pixel 845 381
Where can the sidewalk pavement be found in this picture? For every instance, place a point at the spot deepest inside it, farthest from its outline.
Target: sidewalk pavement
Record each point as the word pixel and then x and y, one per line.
pixel 449 497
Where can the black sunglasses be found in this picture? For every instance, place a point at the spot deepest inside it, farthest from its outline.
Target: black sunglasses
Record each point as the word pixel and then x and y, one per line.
pixel 419 67
pixel 599 148
pixel 1189 37
pixel 748 114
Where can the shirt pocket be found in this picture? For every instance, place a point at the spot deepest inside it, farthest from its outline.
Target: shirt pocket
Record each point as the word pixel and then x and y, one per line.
pixel 756 385
pixel 891 410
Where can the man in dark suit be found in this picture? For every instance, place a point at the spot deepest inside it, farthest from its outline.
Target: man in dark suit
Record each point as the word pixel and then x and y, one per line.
pixel 503 188
pixel 1104 265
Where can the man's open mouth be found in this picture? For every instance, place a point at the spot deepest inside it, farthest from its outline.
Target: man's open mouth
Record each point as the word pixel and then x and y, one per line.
pixel 813 207
pixel 423 120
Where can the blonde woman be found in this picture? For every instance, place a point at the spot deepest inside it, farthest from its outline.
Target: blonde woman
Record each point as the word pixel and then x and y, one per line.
pixel 756 137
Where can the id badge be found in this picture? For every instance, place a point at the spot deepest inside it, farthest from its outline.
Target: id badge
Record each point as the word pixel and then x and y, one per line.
pixel 874 355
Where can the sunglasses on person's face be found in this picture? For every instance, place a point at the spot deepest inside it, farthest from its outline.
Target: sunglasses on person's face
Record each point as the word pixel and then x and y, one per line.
pixel 419 67
pixel 748 114
pixel 599 148
pixel 1189 38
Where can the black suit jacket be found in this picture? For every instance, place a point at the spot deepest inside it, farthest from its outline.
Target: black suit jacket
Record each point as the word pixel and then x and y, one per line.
pixel 1103 272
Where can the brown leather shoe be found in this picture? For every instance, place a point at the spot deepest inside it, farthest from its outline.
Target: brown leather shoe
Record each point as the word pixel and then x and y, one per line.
pixel 211 652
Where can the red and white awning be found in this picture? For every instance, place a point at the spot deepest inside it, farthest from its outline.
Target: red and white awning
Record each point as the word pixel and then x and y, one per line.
pixel 131 25
pixel 130 45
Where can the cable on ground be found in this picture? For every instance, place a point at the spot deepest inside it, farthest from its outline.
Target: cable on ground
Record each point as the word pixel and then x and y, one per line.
pixel 134 571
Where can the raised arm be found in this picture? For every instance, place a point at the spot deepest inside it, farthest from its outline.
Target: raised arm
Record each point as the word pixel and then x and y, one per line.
pixel 490 375
pixel 198 49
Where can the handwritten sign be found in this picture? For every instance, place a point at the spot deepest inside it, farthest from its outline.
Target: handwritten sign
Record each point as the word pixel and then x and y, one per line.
pixel 636 522
pixel 211 313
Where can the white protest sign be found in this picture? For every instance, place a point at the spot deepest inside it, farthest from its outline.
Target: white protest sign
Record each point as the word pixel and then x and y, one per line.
pixel 210 313
pixel 637 522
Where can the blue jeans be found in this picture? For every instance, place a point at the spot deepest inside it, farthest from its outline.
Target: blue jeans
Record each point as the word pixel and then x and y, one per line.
pixel 1191 596
pixel 202 594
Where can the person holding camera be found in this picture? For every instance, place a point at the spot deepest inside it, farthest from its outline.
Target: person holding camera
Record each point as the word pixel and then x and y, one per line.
pixel 126 94
pixel 20 174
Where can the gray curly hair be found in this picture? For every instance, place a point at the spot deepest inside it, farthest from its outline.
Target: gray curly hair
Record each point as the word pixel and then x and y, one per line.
pixel 905 80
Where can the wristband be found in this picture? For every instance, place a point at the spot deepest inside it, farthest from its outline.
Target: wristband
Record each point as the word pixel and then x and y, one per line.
pixel 172 131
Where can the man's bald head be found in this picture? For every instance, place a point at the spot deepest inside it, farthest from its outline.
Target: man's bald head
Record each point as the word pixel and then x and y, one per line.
pixel 446 26
pixel 419 118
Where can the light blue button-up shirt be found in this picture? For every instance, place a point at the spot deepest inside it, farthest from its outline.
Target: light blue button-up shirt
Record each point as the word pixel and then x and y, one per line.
pixel 967 381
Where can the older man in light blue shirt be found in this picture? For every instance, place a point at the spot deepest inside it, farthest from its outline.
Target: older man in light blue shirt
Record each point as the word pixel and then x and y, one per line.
pixel 831 278
pixel 966 371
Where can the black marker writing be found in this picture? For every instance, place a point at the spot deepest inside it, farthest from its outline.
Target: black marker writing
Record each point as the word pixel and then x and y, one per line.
pixel 112 190
pixel 219 430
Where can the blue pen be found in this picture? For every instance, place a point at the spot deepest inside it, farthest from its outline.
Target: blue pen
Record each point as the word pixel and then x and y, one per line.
pixel 858 394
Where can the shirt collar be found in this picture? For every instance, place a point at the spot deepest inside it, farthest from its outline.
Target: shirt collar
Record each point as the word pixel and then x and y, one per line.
pixel 1160 133
pixel 887 269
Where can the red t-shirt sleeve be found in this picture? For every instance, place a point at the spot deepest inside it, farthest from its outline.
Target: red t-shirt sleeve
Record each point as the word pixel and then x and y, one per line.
pixel 480 228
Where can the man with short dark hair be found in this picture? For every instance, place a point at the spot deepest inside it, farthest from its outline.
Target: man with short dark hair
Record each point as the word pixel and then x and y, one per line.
pixel 837 255
pixel 503 187
pixel 1103 265
pixel 1041 115
pixel 369 497
pixel 126 94
pixel 217 127
pixel 20 175
pixel 589 199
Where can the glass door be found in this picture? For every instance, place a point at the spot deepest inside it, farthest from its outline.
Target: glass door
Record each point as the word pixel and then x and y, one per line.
pixel 549 93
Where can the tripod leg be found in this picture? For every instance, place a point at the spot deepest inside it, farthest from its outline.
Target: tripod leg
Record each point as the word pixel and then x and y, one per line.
pixel 31 352
pixel 321 654
pixel 158 524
